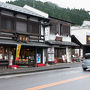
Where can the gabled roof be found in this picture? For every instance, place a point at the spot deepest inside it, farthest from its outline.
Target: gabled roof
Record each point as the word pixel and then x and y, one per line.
pixel 75 40
pixel 18 9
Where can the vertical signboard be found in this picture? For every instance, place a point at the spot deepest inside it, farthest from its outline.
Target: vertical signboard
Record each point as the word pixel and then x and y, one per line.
pixel 50 54
pixel 18 51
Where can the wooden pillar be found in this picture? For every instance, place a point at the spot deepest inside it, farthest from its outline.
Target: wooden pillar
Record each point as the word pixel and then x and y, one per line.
pixel 0 19
pixel 15 19
pixel 28 23
pixel 35 57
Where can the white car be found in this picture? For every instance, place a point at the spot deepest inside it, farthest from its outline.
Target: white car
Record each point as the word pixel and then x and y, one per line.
pixel 86 62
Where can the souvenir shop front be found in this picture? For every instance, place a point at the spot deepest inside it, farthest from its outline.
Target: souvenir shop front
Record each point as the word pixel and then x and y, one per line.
pixel 28 55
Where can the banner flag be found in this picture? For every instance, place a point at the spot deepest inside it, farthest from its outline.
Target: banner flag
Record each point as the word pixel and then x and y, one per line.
pixel 18 51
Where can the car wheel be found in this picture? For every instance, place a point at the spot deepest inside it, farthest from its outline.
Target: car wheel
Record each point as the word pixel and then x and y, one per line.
pixel 84 69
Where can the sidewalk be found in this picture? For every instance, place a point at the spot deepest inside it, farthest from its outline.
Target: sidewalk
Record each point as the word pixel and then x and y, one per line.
pixel 39 69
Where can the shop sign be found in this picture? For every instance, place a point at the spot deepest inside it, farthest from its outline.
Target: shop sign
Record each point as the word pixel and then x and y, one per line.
pixel 23 38
pixel 88 39
pixel 58 38
pixel 18 51
pixel 50 50
pixel 38 58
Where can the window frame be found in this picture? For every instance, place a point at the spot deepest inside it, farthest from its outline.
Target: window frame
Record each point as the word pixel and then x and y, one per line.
pixel 21 20
pixel 65 30
pixel 8 18
pixel 39 27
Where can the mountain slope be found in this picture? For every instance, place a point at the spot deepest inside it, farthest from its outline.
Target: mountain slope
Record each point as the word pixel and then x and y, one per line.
pixel 73 15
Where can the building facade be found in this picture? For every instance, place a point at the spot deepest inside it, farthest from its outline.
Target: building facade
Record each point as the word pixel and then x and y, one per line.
pixel 82 33
pixel 57 35
pixel 20 26
pixel 42 39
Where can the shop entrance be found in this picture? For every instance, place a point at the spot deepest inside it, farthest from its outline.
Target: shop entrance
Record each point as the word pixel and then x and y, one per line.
pixel 60 54
pixel 39 55
pixel 86 49
pixel 27 56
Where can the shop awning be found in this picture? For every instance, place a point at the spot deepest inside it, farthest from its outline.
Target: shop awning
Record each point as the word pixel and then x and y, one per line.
pixel 51 42
pixel 35 44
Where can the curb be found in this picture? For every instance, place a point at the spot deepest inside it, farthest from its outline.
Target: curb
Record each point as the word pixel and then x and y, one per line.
pixel 38 70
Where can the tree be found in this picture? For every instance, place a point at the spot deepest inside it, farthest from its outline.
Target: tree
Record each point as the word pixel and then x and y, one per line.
pixel 76 16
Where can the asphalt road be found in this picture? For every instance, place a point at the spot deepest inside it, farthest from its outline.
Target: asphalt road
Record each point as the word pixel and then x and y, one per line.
pixel 63 79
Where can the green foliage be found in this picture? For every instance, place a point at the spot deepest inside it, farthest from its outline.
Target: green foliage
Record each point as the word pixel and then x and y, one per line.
pixel 73 15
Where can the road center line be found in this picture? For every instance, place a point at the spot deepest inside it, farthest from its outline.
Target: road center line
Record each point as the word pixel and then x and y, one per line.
pixel 58 83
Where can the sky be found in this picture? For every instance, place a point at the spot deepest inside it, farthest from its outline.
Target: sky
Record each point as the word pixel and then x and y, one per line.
pixel 77 4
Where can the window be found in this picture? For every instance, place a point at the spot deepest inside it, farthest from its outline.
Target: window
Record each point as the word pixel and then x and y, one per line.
pixel 60 29
pixel 21 26
pixel 53 29
pixel 4 53
pixel 27 56
pixel 59 52
pixel 34 27
pixel 1 52
pixel 7 23
pixel 64 30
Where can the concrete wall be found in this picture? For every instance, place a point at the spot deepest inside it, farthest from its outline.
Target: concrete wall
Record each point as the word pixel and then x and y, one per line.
pixel 68 54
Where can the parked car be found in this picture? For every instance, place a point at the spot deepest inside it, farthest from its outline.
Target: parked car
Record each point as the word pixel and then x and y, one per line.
pixel 86 62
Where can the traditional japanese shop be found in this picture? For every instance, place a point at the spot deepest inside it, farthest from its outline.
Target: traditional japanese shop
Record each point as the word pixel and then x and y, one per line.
pixel 19 26
pixel 27 56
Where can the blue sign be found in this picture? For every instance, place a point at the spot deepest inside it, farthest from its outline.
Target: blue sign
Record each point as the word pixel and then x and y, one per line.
pixel 38 58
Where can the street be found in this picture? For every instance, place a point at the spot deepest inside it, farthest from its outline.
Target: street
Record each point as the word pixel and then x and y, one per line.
pixel 62 79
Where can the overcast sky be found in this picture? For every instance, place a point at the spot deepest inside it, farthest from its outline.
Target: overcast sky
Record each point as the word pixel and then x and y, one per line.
pixel 78 4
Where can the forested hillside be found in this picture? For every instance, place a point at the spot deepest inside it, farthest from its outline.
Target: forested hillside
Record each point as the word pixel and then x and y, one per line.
pixel 73 15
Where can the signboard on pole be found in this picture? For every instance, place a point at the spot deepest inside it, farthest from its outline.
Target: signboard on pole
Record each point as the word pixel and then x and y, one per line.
pixel 18 51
